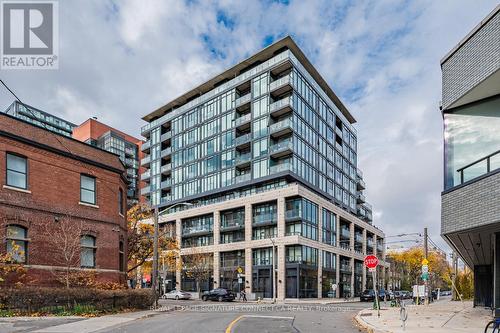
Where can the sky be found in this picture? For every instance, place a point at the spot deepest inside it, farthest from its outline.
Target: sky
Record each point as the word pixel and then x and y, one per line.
pixel 120 60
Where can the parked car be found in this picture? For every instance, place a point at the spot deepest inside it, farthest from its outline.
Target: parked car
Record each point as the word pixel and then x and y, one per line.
pixel 367 295
pixel 406 294
pixel 219 294
pixel 177 294
pixel 445 293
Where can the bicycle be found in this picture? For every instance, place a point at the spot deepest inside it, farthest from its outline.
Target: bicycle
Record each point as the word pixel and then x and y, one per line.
pixel 493 326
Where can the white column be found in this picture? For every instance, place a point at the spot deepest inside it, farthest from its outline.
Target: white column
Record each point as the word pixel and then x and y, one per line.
pixel 216 228
pixel 248 223
pixel 337 273
pixel 281 217
pixel 248 271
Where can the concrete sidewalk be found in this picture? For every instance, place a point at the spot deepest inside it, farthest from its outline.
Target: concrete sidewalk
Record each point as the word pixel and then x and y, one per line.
pixel 98 323
pixel 440 317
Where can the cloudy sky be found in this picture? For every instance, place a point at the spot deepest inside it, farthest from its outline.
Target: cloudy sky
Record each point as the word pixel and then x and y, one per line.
pixel 119 60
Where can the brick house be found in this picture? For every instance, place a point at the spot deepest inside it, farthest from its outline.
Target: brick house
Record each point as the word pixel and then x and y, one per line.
pixel 52 185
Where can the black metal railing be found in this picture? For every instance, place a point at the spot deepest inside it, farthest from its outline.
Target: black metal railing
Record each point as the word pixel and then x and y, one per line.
pixel 485 163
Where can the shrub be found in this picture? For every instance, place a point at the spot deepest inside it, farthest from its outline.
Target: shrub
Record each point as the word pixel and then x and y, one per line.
pixel 57 300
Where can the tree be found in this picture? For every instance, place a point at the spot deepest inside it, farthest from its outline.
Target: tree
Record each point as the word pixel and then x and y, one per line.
pixel 63 237
pixel 140 239
pixel 198 266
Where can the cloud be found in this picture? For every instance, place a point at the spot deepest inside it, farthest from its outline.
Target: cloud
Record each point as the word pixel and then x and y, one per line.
pixel 122 59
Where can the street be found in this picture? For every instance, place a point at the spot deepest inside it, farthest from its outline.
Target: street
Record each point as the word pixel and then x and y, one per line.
pixel 197 316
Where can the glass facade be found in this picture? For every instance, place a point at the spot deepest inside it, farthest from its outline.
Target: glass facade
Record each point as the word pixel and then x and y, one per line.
pixel 470 134
pixel 301 218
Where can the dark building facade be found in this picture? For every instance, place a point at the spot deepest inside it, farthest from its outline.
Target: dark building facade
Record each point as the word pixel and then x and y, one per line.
pixel 51 184
pixel 470 220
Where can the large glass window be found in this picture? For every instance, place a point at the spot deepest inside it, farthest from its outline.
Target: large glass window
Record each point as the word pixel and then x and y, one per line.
pixel 260 107
pixel 87 189
pixel 17 171
pixel 329 227
pixel 17 243
pixel 87 252
pixel 260 147
pixel 471 133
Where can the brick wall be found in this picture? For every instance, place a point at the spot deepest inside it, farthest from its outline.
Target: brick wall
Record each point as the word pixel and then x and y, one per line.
pixel 54 194
pixel 473 62
pixel 470 206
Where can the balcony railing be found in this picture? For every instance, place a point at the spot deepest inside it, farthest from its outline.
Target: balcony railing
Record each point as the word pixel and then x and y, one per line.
pixel 281 167
pixel 280 82
pixel 196 229
pixel 281 125
pixel 145 190
pixel 242 139
pixel 146 160
pixel 166 183
pixel 166 136
pixel 287 101
pixel 166 168
pixel 262 261
pixel 293 214
pixel 244 158
pixel 146 145
pixel 232 263
pixel 146 174
pixel 283 145
pixel 480 167
pixel 232 223
pixel 358 238
pixel 293 259
pixel 165 199
pixel 265 218
pixel 361 198
pixel 243 100
pixel 167 151
pixel 243 119
pixel 243 178
pixel 346 233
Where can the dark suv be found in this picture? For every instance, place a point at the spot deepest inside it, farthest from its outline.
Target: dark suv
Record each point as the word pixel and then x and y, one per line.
pixel 219 294
pixel 367 295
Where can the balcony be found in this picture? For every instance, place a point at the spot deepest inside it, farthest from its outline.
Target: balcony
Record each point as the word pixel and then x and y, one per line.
pixel 345 233
pixel 146 161
pixel 166 169
pixel 226 263
pixel 281 149
pixel 265 219
pixel 166 152
pixel 243 140
pixel 281 128
pixel 145 190
pixel 293 259
pixel 479 168
pixel 146 146
pixel 166 136
pixel 358 238
pixel 197 230
pixel 243 121
pixel 243 100
pixel 360 198
pixel 281 86
pixel 146 175
pixel 166 183
pixel 369 244
pixel 232 224
pixel 145 130
pixel 281 168
pixel 293 214
pixel 165 199
pixel 243 160
pixel 360 184
pixel 281 107
pixel 243 178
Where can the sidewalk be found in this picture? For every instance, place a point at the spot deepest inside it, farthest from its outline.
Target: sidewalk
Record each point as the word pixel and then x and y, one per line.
pixel 440 317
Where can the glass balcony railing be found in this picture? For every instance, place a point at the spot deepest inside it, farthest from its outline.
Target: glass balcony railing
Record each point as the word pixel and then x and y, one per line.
pixel 285 102
pixel 243 119
pixel 165 199
pixel 243 178
pixel 243 100
pixel 166 183
pixel 361 198
pixel 293 259
pixel 262 261
pixel 197 229
pixel 146 174
pixel 480 167
pixel 232 263
pixel 358 238
pixel 242 139
pixel 281 167
pixel 293 214
pixel 244 158
pixel 281 125
pixel 146 145
pixel 281 146
pixel 280 82
pixel 146 160
pixel 145 190
pixel 265 218
pixel 166 168
pixel 166 136
pixel 232 223
pixel 346 233
pixel 167 151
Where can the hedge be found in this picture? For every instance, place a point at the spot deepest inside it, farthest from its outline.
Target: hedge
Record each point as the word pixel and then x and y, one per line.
pixel 42 300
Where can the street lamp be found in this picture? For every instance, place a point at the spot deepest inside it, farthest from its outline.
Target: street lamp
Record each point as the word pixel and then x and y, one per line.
pixel 156 215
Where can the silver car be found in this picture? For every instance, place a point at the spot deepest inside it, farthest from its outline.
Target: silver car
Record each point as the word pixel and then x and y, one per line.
pixel 177 294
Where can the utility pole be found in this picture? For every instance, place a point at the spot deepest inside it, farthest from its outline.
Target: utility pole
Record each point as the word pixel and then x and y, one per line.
pixel 154 276
pixel 426 254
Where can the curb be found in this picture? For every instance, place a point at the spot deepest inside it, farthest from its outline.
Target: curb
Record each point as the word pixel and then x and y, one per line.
pixel 368 327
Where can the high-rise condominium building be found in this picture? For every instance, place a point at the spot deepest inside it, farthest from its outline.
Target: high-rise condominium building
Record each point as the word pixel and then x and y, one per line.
pixel 40 118
pixel 125 146
pixel 470 220
pixel 266 154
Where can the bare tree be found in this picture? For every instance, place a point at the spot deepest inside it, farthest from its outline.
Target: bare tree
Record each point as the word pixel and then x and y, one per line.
pixel 198 266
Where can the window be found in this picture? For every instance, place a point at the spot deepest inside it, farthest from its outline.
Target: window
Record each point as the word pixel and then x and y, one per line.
pixel 87 253
pixel 17 171
pixel 260 147
pixel 87 189
pixel 120 202
pixel 121 256
pixel 17 243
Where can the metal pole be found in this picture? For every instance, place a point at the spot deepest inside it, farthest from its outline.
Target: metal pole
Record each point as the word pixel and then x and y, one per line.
pixel 377 303
pixel 154 277
pixel 426 282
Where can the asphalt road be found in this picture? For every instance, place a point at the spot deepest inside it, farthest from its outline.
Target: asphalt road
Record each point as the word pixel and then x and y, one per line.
pixel 233 317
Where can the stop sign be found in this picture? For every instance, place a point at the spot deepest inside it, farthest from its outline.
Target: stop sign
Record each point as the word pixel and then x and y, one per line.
pixel 371 261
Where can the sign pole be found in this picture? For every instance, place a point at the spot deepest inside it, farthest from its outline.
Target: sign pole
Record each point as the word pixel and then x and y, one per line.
pixel 374 276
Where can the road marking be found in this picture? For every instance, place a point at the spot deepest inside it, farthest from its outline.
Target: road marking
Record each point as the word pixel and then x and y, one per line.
pixel 231 324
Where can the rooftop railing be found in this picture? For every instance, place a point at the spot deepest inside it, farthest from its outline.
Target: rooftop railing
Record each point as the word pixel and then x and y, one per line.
pixel 480 167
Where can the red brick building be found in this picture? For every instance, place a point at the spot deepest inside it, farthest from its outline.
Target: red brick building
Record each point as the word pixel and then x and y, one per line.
pixel 58 194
